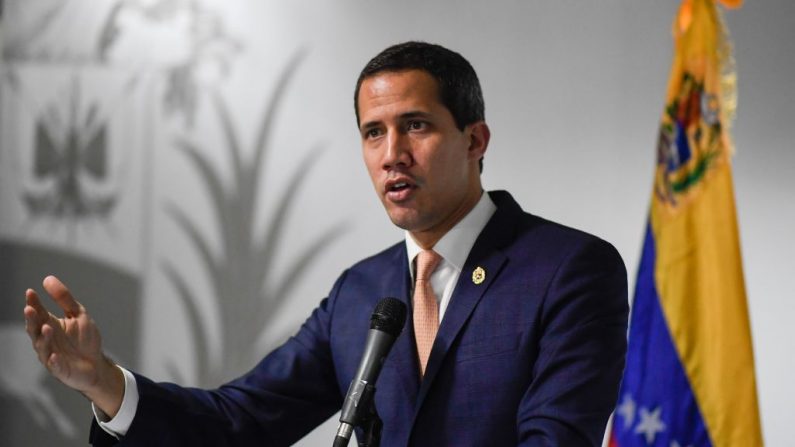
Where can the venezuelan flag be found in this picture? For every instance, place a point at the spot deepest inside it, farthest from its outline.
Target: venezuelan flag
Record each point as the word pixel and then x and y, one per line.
pixel 689 379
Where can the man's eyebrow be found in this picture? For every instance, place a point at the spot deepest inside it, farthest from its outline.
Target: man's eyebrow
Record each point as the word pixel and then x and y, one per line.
pixel 403 116
pixel 369 125
pixel 415 114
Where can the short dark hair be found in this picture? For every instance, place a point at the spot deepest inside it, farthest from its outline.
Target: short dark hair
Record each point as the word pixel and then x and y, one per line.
pixel 458 85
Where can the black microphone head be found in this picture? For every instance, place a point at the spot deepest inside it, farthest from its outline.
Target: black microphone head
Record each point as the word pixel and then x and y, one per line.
pixel 389 316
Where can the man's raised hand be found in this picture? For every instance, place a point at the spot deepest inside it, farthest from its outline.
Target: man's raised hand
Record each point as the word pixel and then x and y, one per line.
pixel 71 347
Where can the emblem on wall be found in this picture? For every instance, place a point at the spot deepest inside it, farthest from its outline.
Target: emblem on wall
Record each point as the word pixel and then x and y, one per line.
pixel 70 151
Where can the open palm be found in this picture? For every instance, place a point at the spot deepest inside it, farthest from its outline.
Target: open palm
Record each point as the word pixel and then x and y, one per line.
pixel 71 347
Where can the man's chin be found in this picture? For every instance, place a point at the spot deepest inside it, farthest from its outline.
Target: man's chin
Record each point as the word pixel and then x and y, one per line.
pixel 405 220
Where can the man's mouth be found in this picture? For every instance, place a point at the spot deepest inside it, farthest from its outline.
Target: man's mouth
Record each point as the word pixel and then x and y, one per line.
pixel 398 190
pixel 399 186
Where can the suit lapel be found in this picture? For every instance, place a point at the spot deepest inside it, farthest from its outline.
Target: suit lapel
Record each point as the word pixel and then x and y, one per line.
pixel 466 297
pixel 488 255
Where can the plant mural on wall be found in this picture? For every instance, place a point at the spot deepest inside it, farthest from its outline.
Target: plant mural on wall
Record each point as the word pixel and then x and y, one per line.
pixel 247 295
pixel 207 47
pixel 92 94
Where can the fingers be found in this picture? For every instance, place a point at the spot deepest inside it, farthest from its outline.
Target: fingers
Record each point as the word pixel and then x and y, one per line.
pixel 38 325
pixel 43 344
pixel 61 295
pixel 34 310
pixel 46 352
pixel 43 327
pixel 35 313
pixel 54 363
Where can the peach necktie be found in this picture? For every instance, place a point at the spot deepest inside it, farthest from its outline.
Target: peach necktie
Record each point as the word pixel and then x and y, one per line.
pixel 426 308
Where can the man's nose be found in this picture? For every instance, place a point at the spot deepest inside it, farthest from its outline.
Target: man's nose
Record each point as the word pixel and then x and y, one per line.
pixel 398 150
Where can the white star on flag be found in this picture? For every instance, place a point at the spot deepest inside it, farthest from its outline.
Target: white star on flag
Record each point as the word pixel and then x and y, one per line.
pixel 650 424
pixel 627 411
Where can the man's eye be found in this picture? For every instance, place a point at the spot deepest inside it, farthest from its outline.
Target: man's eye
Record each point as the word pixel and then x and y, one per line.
pixel 372 133
pixel 416 125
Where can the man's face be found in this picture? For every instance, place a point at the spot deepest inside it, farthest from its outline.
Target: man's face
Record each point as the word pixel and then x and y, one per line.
pixel 424 169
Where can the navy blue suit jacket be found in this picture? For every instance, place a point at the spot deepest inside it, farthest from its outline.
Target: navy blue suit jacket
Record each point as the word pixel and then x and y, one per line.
pixel 533 355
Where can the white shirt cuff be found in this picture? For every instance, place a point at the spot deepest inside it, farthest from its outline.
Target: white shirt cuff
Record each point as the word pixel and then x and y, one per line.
pixel 118 426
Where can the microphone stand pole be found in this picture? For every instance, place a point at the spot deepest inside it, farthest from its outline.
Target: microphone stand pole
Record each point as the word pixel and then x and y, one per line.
pixel 372 426
pixel 365 417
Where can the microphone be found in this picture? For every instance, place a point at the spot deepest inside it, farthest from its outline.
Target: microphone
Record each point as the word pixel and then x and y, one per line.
pixel 387 321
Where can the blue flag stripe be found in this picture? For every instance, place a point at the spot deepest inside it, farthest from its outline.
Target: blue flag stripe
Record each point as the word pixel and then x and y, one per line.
pixel 656 404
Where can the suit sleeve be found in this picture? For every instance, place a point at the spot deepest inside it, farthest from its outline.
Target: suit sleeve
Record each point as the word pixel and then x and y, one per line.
pixel 291 391
pixel 582 347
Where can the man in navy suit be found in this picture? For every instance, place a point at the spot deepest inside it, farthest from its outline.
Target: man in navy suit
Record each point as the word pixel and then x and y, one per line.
pixel 516 338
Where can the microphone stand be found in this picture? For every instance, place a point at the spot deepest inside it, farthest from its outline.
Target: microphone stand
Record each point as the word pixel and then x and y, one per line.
pixel 367 419
pixel 372 426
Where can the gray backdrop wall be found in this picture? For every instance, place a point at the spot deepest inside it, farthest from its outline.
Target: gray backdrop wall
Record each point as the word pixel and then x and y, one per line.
pixel 130 166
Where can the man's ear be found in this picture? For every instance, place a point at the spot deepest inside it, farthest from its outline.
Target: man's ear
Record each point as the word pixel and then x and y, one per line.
pixel 479 135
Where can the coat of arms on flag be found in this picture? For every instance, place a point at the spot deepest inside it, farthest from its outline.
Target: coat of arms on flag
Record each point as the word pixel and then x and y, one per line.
pixel 689 379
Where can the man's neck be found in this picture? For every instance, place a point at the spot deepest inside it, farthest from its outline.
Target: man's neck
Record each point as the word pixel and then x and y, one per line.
pixel 428 238
pixel 457 243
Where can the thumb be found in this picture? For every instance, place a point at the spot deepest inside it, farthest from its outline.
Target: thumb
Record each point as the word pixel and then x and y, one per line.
pixel 61 295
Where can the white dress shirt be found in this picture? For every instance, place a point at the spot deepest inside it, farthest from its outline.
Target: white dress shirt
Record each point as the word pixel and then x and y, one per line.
pixel 119 425
pixel 454 247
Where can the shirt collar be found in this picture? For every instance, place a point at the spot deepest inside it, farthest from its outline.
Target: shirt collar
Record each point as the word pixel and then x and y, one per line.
pixel 456 244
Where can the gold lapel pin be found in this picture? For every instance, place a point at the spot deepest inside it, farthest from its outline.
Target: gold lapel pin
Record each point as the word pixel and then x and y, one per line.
pixel 478 275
